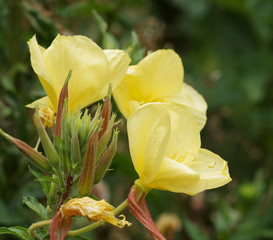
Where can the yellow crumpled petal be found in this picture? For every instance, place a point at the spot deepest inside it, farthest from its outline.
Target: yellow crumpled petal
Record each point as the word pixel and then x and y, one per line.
pixel 159 78
pixel 46 116
pixel 181 166
pixel 92 71
pixel 93 210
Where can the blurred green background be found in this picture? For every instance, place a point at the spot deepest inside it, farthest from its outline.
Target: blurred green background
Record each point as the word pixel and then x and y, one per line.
pixel 227 51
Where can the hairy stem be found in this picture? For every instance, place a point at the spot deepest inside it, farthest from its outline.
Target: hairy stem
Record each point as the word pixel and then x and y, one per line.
pixel 34 226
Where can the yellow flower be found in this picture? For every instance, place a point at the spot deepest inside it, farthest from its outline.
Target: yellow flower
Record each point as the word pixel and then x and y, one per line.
pixel 46 116
pixel 93 210
pixel 164 143
pixel 159 78
pixel 92 70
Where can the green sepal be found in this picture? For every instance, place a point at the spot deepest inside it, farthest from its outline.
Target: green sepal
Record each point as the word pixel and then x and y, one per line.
pixel 88 171
pixel 106 112
pixel 62 108
pixel 49 149
pixel 48 146
pixel 76 159
pixel 87 128
pixel 106 159
pixel 103 142
pixel 30 153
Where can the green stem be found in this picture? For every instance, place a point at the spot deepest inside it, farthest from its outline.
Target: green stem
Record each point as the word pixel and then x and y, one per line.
pixel 92 226
pixel 34 226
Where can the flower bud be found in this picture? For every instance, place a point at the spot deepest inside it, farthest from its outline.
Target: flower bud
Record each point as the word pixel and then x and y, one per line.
pixel 87 175
pixel 105 137
pixel 33 156
pixel 88 127
pixel 49 149
pixel 106 159
pixel 62 97
pixel 106 112
pixel 75 150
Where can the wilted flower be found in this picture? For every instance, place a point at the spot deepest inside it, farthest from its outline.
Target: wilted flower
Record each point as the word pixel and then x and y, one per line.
pixel 93 70
pixel 86 207
pixel 94 211
pixel 159 78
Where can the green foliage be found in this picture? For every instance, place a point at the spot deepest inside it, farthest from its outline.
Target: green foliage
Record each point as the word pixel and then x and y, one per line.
pixel 226 48
pixel 20 232
pixel 193 230
pixel 37 207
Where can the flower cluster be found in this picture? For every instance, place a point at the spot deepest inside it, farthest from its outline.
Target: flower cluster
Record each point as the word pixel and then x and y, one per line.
pixel 164 119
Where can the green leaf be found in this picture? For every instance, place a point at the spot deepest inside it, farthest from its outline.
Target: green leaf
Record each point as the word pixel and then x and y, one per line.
pixel 78 238
pixel 43 25
pixel 37 207
pixel 44 180
pixel 75 9
pixel 109 41
pixel 134 49
pixel 193 231
pixel 8 217
pixel 100 21
pixel 16 231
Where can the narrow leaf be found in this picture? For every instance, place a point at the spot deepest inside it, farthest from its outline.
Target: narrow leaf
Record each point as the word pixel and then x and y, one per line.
pixel 37 207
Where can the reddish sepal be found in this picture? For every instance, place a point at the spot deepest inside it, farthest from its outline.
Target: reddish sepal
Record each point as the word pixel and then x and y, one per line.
pixel 140 210
pixel 60 226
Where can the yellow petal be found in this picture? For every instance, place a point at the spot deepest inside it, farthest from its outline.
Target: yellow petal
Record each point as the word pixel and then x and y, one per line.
pixel 40 68
pixel 158 75
pixel 90 68
pixel 93 210
pixel 212 168
pixel 41 103
pixel 175 177
pixel 118 61
pixel 127 94
pixel 148 132
pixel 184 142
pixel 191 99
pixel 162 74
pixel 209 171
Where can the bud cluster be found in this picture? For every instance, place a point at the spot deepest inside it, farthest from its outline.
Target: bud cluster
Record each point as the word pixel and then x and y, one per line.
pixel 80 153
